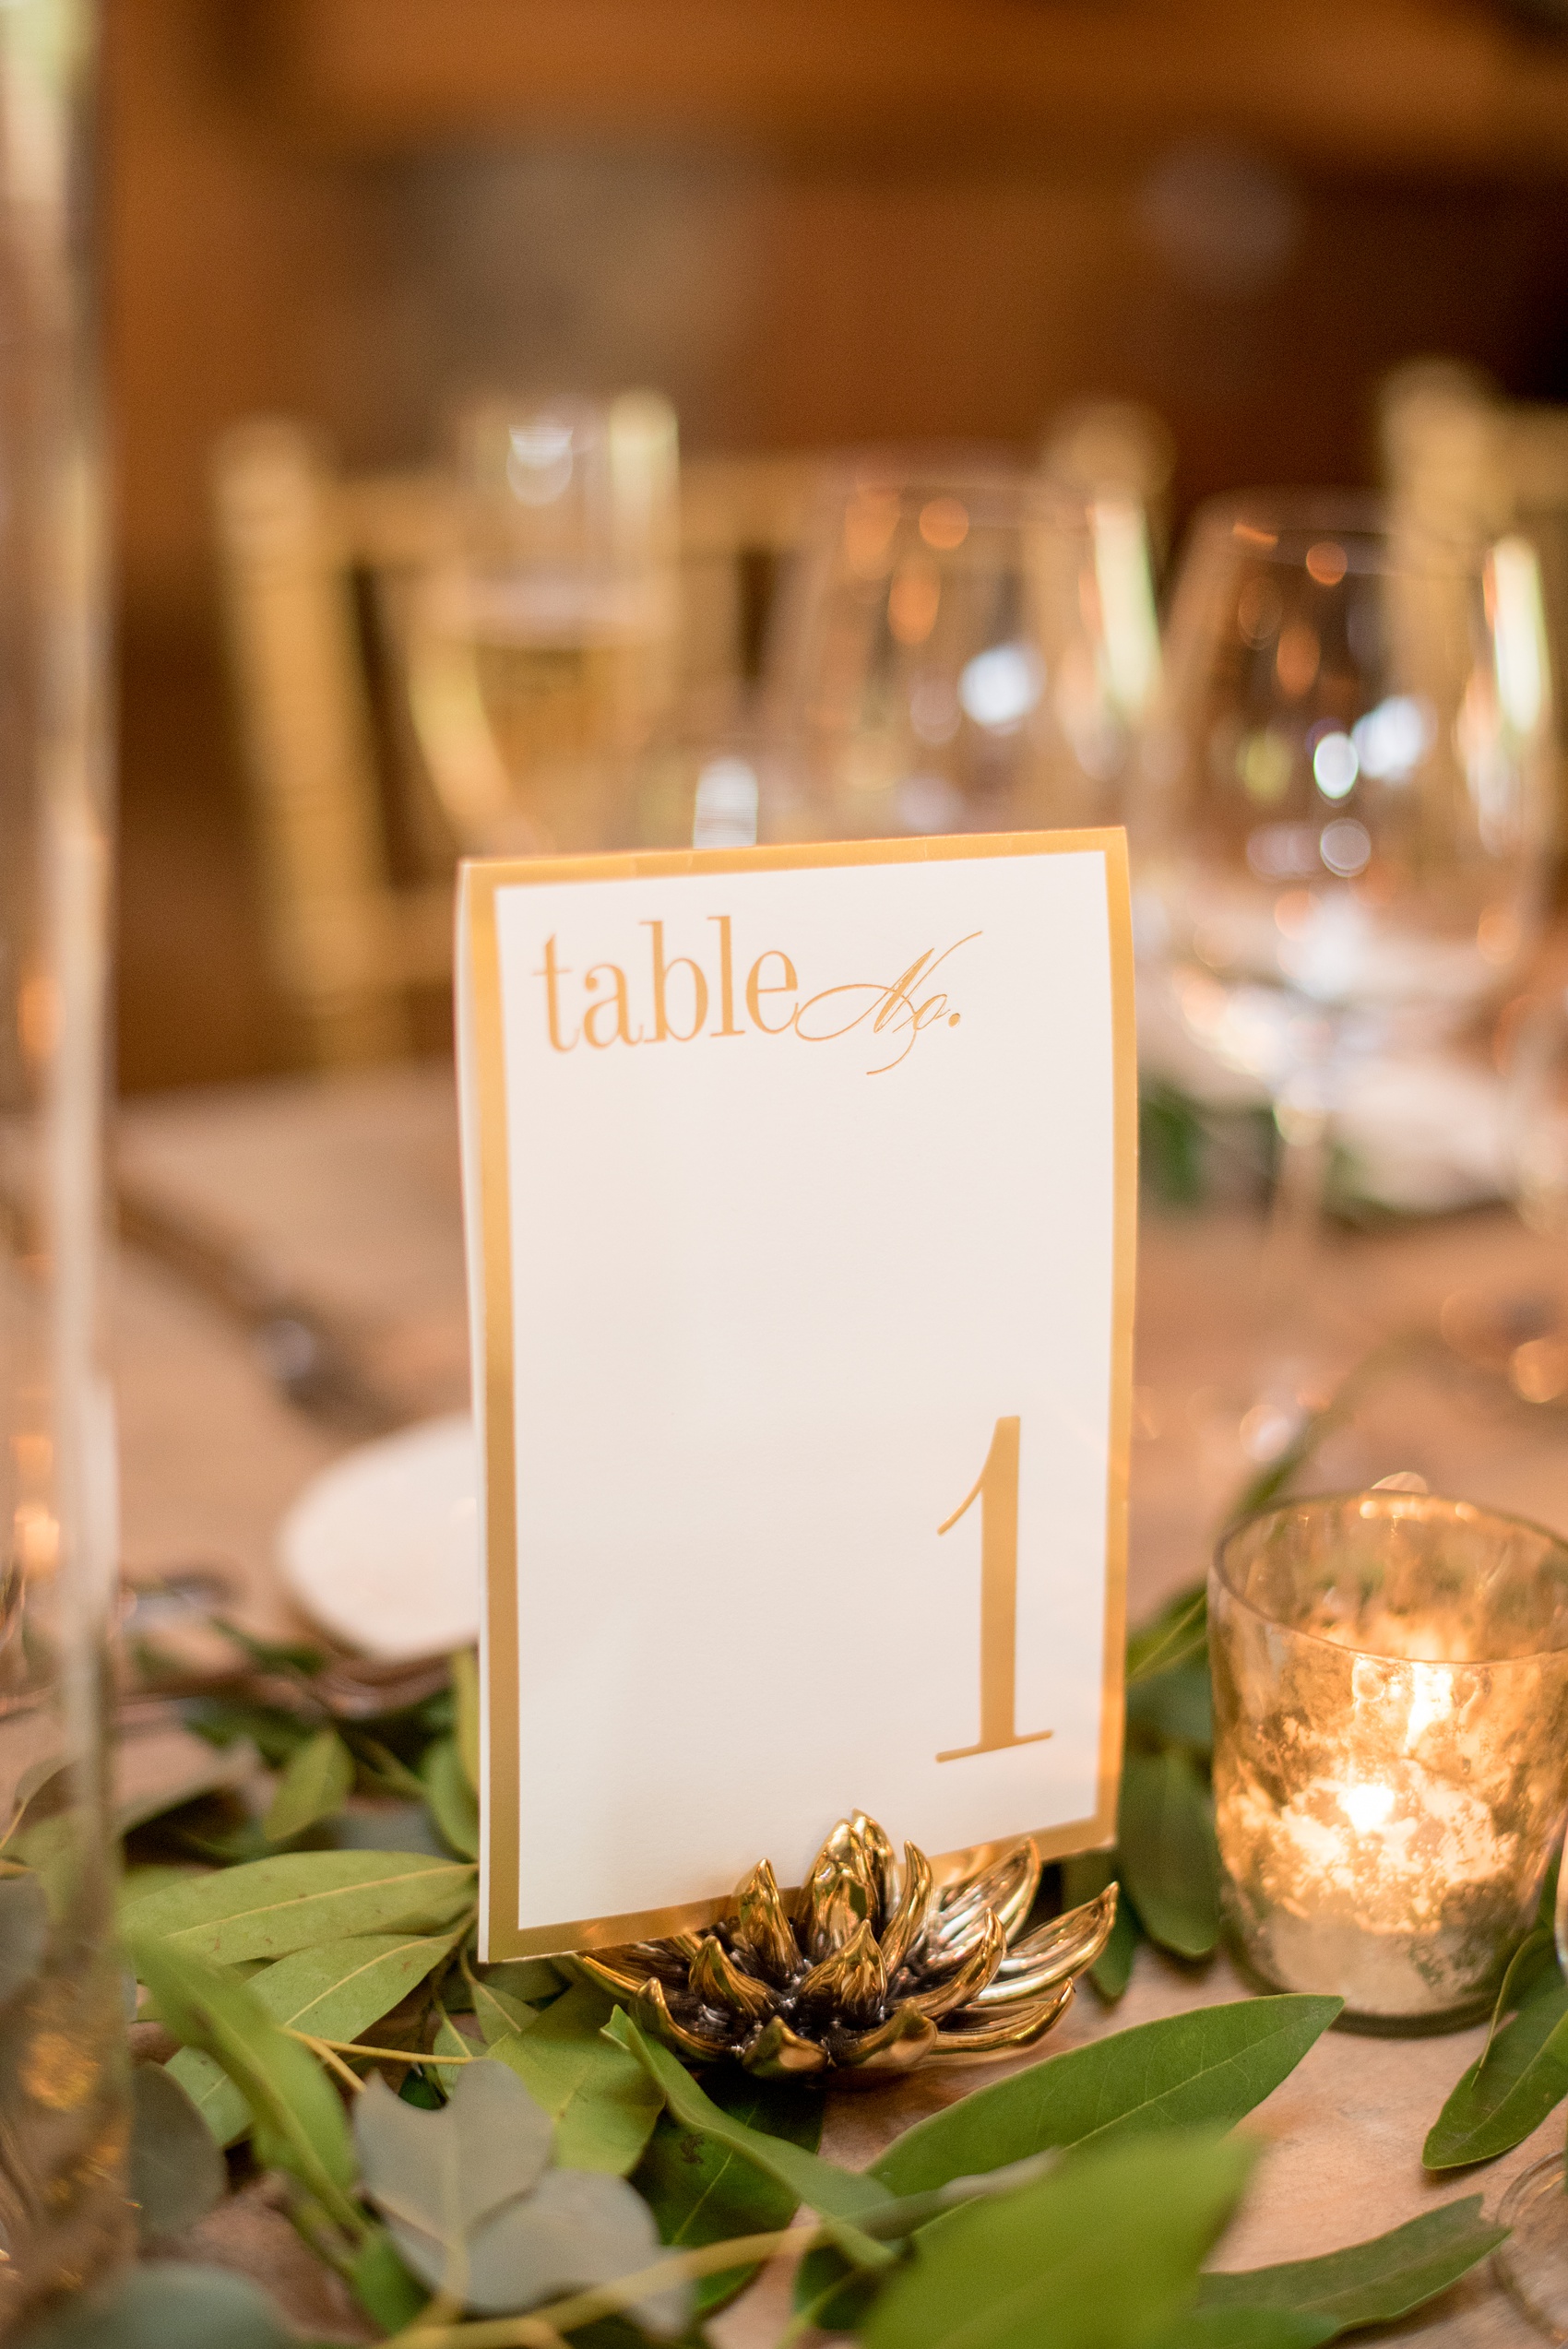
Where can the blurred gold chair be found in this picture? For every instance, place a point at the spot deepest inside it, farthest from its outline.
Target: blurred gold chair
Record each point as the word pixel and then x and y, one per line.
pixel 310 565
pixel 1459 458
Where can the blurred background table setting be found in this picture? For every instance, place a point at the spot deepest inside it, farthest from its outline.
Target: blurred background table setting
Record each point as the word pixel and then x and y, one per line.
pixel 523 435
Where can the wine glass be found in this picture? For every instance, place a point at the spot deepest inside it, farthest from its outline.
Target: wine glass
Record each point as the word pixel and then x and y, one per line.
pixel 541 650
pixel 1518 1331
pixel 1341 819
pixel 962 649
pixel 1533 2262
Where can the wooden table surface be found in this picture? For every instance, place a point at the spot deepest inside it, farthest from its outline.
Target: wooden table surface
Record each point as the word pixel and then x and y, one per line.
pixel 349 1187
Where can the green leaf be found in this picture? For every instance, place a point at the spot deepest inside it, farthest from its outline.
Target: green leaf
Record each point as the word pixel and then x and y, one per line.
pixel 222 2107
pixel 1244 2329
pixel 702 2192
pixel 452 1802
pixel 1176 1635
pixel 832 2192
pixel 1533 1961
pixel 1368 2282
pixel 465 1693
pixel 603 2104
pixel 1169 1860
pixel 1173 1708
pixel 382 2284
pixel 163 2305
pixel 272 1656
pixel 1213 2065
pixel 499 2015
pixel 154 1878
pixel 275 1733
pixel 176 2173
pixel 317 1781
pixel 1082 1878
pixel 1509 2091
pixel 1049 2267
pixel 335 1993
pixel 448 2039
pixel 299 2123
pixel 532 1981
pixel 300 1900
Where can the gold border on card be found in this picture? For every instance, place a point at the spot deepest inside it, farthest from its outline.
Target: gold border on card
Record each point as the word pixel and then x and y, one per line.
pixel 479 881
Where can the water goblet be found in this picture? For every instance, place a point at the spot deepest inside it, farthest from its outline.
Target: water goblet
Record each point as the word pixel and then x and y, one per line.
pixel 963 647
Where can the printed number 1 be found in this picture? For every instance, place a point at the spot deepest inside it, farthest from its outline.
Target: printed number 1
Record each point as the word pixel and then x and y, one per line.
pixel 996 1489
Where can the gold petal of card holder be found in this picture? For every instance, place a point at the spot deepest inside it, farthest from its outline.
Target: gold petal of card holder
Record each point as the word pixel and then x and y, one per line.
pixel 871 1968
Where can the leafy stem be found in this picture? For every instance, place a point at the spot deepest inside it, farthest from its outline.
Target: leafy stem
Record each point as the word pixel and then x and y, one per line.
pixel 329 2047
pixel 545 2327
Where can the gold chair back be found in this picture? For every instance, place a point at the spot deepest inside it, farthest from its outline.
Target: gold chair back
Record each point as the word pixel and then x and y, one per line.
pixel 352 939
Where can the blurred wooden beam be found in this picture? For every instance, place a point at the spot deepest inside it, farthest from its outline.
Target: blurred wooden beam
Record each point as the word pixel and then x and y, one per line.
pixel 1423 86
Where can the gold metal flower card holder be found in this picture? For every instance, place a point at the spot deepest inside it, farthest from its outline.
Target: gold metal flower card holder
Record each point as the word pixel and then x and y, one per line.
pixel 873 1970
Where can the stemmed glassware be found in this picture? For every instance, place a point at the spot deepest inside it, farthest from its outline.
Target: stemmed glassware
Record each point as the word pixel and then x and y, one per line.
pixel 540 650
pixel 963 649
pixel 1342 816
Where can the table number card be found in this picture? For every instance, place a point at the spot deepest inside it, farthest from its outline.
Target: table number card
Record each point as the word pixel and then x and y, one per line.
pixel 800 1189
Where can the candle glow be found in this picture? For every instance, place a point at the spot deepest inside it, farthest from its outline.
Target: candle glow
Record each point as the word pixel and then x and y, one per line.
pixel 1391 1762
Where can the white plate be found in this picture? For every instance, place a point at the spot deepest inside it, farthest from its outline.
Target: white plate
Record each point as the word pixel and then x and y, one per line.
pixel 382 1549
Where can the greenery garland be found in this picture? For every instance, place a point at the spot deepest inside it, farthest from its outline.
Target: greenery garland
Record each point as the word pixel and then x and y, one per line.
pixel 493 2158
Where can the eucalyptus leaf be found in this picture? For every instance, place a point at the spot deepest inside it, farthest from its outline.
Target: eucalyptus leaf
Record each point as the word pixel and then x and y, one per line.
pixel 316 1783
pixel 334 1993
pixel 578 2228
pixel 298 2122
pixel 602 2101
pixel 702 2192
pixel 300 1900
pixel 1169 1860
pixel 1053 2266
pixel 176 2173
pixel 453 1803
pixel 1508 2090
pixel 474 2211
pixel 1369 2283
pixel 833 2193
pixel 24 1933
pixel 436 2176
pixel 1212 2065
pixel 164 2303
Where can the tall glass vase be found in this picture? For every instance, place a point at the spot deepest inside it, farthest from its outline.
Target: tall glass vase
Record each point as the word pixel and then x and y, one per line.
pixel 62 2106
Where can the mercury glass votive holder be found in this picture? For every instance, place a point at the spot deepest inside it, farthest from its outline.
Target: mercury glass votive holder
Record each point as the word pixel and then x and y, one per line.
pixel 1391 1746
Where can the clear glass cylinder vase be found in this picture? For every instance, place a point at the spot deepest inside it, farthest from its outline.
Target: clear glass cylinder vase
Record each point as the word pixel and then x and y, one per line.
pixel 62 2107
pixel 1391 1746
